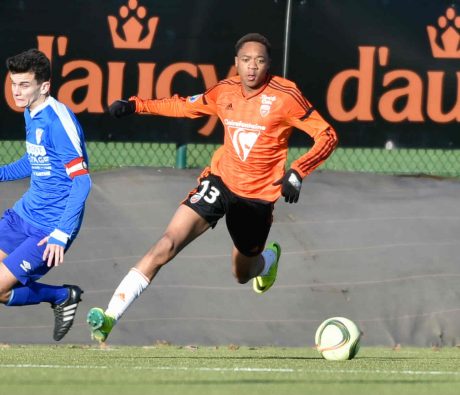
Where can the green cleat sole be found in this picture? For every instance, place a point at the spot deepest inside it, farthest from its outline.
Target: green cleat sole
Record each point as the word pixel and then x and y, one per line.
pixel 100 324
pixel 95 318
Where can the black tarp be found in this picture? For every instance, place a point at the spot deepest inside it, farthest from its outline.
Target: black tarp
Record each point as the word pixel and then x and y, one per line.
pixel 404 81
pixel 380 250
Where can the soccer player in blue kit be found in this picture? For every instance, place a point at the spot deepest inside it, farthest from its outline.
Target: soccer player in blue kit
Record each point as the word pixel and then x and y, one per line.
pixel 40 227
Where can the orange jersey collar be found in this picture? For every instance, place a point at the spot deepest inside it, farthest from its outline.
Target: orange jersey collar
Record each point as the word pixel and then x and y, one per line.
pixel 262 88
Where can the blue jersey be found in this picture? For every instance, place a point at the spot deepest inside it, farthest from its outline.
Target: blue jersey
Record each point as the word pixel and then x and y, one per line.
pixel 57 163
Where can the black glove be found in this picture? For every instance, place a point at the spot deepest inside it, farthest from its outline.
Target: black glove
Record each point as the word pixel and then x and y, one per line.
pixel 290 183
pixel 122 108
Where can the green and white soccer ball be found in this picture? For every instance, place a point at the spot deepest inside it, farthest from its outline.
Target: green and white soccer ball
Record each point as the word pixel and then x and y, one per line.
pixel 338 339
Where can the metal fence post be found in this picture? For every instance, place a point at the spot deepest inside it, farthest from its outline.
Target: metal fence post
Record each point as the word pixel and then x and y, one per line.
pixel 181 156
pixel 287 38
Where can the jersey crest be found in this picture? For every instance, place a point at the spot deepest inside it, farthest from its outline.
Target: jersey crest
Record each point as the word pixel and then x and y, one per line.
pixel 266 105
pixel 38 135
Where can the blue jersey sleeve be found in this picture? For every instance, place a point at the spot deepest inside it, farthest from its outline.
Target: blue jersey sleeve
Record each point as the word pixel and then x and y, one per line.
pixel 16 170
pixel 68 140
pixel 81 185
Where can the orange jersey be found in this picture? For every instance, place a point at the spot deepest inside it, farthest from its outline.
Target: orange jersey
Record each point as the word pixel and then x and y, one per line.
pixel 257 130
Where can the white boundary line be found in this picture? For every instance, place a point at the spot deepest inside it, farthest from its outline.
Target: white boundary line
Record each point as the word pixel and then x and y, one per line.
pixel 238 370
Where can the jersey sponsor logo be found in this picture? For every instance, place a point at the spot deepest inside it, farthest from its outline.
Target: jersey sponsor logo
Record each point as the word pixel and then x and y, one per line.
pixel 39 160
pixel 35 149
pixel 243 140
pixel 244 135
pixel 194 98
pixel 246 125
pixel 38 135
pixel 266 105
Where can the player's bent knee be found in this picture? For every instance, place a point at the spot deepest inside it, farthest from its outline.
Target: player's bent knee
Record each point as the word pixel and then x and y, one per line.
pixel 163 251
pixel 249 252
pixel 5 294
pixel 242 280
pixel 167 245
pixel 7 283
pixel 241 277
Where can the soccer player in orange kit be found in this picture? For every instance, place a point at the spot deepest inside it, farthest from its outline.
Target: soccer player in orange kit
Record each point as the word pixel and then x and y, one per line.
pixel 246 176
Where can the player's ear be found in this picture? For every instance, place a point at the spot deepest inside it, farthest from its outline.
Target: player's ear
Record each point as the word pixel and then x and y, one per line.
pixel 236 61
pixel 45 88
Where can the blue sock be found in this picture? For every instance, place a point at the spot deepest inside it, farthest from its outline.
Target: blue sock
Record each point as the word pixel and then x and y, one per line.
pixel 35 293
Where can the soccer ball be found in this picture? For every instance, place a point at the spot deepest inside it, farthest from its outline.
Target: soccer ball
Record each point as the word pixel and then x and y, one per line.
pixel 338 339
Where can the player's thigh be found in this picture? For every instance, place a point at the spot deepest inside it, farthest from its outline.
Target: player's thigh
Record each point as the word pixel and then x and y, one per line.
pixel 185 226
pixel 249 223
pixel 10 238
pixel 12 233
pixel 26 261
pixel 7 280
pixel 18 242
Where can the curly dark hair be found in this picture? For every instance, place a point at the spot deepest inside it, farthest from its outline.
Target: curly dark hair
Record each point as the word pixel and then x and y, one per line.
pixel 258 38
pixel 31 60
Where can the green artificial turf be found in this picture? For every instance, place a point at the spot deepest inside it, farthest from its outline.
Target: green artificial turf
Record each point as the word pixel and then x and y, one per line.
pixel 232 370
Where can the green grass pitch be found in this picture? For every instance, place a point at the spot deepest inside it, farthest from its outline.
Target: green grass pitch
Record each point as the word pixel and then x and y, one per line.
pixel 167 369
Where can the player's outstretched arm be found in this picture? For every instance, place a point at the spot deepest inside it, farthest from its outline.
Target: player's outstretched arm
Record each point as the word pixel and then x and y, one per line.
pixel 16 170
pixel 175 107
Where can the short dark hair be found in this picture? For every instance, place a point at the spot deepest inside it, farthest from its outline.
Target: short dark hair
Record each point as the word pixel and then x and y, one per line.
pixel 31 60
pixel 257 37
